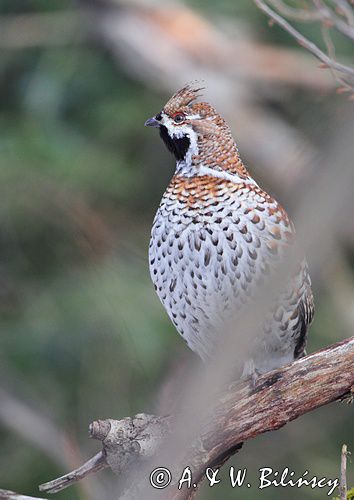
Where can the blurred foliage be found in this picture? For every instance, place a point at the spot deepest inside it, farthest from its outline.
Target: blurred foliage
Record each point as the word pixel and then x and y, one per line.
pixel 82 333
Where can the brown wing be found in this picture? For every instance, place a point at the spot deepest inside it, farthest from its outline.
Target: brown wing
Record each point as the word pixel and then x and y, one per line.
pixel 305 312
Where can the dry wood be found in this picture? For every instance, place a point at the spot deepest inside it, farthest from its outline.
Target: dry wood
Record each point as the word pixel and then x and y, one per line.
pixel 343 473
pixel 242 413
pixel 11 495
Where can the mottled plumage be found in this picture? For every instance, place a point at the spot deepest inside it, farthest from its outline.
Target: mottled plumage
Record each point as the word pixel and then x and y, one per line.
pixel 217 235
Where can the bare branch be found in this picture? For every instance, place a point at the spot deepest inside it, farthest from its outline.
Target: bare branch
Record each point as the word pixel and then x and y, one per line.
pixel 343 473
pixel 321 13
pixel 96 463
pixel 11 495
pixel 344 9
pixel 329 15
pixel 242 413
pixel 296 14
pixel 305 42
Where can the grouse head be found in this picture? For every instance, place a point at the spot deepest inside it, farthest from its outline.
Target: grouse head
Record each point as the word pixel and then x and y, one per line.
pixel 195 133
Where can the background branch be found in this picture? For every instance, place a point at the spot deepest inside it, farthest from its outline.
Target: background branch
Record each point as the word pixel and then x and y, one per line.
pixel 343 473
pixel 11 495
pixel 328 17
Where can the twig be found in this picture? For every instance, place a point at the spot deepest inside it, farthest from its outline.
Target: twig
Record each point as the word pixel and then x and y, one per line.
pixel 11 495
pixel 345 10
pixel 331 51
pixel 330 16
pixel 242 413
pixel 95 464
pixel 343 473
pixel 296 14
pixel 321 13
pixel 303 41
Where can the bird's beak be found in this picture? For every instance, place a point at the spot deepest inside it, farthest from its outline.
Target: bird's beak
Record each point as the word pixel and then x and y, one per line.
pixel 152 122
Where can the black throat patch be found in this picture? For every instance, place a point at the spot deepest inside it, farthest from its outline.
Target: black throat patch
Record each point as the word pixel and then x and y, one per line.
pixel 177 146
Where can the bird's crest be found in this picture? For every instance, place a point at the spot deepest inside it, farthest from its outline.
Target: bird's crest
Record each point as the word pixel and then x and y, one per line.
pixel 183 97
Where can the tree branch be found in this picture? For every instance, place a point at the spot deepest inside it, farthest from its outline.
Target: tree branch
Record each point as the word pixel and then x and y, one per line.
pixel 297 14
pixel 327 16
pixel 330 16
pixel 11 495
pixel 343 473
pixel 242 413
pixel 345 10
pixel 96 463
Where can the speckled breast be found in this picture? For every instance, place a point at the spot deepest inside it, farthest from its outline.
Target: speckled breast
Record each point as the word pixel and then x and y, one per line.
pixel 212 243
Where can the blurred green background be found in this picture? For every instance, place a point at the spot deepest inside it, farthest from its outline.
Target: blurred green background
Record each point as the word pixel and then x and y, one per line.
pixel 83 335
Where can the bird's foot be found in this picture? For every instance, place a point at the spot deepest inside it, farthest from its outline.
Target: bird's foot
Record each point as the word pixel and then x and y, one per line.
pixel 250 373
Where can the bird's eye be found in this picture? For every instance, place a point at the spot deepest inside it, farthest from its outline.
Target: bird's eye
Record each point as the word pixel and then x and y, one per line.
pixel 179 118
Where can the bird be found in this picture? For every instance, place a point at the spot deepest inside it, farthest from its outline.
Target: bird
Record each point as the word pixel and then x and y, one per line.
pixel 215 238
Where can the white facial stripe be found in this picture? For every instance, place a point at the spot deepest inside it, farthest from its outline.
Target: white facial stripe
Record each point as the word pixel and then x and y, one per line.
pixel 170 124
pixel 193 117
pixel 179 131
pixel 185 165
pixel 193 148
